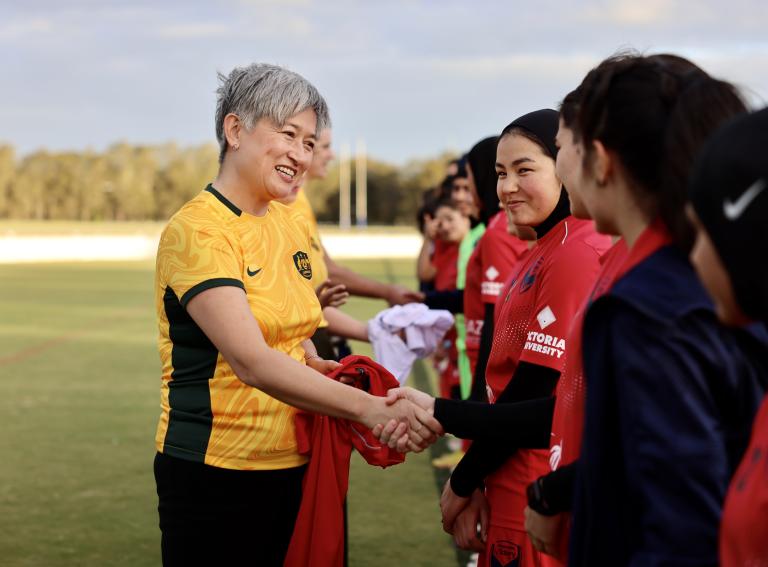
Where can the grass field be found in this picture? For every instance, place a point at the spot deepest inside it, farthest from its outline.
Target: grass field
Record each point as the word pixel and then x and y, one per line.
pixel 67 227
pixel 79 396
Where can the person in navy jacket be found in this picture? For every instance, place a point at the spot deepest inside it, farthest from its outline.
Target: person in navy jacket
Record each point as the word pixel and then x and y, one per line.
pixel 729 208
pixel 670 392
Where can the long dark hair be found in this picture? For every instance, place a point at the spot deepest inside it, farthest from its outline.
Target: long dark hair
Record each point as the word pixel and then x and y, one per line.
pixel 654 112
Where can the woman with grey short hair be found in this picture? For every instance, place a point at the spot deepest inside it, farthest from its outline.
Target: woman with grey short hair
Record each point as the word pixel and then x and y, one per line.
pixel 236 310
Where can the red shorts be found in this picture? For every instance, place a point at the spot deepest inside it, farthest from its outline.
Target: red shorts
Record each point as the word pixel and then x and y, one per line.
pixel 512 548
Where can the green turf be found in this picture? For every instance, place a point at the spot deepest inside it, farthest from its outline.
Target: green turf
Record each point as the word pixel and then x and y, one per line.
pixel 63 227
pixel 79 396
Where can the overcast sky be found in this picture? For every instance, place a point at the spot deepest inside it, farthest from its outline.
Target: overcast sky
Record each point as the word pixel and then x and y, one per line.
pixel 411 77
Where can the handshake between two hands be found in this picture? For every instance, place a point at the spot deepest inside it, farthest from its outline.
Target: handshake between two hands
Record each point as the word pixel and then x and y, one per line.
pixel 406 421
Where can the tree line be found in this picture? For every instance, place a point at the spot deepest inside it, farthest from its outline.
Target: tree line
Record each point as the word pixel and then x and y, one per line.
pixel 138 182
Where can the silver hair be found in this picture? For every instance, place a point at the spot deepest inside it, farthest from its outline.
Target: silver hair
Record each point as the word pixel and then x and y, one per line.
pixel 260 91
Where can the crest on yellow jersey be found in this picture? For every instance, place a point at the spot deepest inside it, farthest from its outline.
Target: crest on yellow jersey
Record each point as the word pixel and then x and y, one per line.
pixel 301 261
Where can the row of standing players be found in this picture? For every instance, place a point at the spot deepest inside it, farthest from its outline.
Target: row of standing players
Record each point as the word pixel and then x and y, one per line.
pixel 634 473
pixel 620 405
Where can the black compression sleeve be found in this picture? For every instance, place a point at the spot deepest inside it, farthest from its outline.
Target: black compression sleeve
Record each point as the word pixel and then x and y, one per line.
pixel 452 300
pixel 518 424
pixel 478 392
pixel 555 494
pixel 529 382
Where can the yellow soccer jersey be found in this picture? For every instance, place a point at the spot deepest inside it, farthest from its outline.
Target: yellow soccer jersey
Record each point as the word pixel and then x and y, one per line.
pixel 319 269
pixel 208 414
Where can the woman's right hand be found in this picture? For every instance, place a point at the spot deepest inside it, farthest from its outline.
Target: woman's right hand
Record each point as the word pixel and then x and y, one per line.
pixel 399 437
pixel 410 427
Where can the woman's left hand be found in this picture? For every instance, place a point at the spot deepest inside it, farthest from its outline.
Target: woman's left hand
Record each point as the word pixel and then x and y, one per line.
pixel 451 505
pixel 321 365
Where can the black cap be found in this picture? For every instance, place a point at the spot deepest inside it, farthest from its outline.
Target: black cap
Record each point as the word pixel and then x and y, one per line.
pixel 729 192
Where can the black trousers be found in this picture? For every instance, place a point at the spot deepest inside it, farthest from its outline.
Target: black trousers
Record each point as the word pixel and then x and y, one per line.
pixel 215 516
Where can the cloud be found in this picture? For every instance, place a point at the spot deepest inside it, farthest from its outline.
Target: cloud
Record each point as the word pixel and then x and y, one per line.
pixel 271 3
pixel 629 12
pixel 194 30
pixel 19 29
pixel 526 65
pixel 673 14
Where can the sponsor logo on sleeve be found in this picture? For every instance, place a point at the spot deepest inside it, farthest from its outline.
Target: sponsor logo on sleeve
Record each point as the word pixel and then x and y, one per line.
pixel 474 326
pixel 546 317
pixel 545 344
pixel 488 286
pixel 491 288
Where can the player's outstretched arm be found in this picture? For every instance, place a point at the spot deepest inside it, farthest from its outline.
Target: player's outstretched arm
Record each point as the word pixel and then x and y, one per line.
pixel 225 317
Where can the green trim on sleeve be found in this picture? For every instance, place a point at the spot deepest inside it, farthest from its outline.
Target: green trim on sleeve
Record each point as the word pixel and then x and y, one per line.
pixel 208 284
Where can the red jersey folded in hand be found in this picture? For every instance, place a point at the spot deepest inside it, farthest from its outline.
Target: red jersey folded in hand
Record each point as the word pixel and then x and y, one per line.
pixel 318 537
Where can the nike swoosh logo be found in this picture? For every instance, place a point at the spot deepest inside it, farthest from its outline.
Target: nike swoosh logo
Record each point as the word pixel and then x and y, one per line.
pixel 734 210
pixel 250 273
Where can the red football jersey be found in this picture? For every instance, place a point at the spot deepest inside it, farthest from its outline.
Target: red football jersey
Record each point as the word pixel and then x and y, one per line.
pixel 445 260
pixel 495 256
pixel 532 321
pixel 318 536
pixel 744 527
pixel 568 419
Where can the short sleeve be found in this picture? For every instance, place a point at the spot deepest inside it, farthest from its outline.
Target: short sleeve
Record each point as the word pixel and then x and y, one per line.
pixel 191 260
pixel 499 254
pixel 564 285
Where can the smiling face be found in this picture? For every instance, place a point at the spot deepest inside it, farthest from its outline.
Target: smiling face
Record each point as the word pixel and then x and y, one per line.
pixel 322 157
pixel 273 159
pixel 568 168
pixel 461 194
pixel 527 185
pixel 452 225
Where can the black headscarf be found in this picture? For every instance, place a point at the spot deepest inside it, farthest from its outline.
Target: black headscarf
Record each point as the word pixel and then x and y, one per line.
pixel 729 191
pixel 482 159
pixel 543 124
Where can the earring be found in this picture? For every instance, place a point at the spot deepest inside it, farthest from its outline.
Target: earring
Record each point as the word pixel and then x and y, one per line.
pixel 235 147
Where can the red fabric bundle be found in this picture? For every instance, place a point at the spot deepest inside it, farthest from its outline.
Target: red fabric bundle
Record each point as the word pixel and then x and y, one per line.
pixel 318 537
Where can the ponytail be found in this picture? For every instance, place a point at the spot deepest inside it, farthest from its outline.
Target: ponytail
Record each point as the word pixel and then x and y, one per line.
pixel 654 113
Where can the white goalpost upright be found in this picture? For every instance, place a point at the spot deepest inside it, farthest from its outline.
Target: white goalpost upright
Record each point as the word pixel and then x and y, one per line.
pixel 345 182
pixel 361 184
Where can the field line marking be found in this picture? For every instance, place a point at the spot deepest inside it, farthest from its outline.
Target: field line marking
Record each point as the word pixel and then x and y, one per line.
pixel 39 348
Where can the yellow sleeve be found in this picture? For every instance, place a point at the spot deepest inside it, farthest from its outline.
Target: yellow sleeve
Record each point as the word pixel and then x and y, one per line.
pixel 192 259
